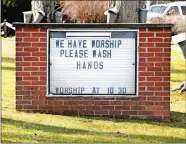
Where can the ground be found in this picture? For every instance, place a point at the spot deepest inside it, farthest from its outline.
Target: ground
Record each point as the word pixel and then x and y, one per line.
pixel 35 127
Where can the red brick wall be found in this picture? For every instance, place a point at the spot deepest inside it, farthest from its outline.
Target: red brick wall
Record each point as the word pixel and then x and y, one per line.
pixel 154 80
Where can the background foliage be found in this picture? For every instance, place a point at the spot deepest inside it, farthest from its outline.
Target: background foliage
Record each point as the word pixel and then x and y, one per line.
pixel 9 3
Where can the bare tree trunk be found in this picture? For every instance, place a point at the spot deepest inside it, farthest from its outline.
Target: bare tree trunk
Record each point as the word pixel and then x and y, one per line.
pixel 129 12
pixel 47 6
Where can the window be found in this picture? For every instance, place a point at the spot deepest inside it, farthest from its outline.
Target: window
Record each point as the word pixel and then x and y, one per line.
pixel 158 9
pixel 183 9
pixel 173 11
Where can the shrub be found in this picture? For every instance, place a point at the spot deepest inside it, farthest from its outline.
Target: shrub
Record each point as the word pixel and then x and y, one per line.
pixel 179 23
pixel 85 11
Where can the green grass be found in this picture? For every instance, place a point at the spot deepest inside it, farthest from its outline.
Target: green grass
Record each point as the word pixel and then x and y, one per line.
pixel 178 74
pixel 35 127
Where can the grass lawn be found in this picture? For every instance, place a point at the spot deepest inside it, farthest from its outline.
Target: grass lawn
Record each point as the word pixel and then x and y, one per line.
pixel 35 127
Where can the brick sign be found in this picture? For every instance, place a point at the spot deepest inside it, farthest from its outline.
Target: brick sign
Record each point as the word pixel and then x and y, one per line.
pixel 114 70
pixel 92 62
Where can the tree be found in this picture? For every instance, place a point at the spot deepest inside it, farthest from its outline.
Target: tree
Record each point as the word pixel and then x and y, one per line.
pixel 128 10
pixel 49 7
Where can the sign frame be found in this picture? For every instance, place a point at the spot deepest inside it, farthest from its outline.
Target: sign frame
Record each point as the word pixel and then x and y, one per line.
pixel 48 94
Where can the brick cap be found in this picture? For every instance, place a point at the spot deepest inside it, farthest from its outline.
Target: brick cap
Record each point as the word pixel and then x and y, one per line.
pixel 90 25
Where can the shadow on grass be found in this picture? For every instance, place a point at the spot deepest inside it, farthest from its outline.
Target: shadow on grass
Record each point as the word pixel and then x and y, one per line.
pixel 177 120
pixel 178 81
pixel 62 130
pixel 8 68
pixel 8 60
pixel 46 128
pixel 178 71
